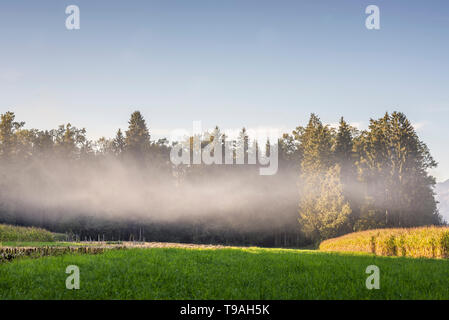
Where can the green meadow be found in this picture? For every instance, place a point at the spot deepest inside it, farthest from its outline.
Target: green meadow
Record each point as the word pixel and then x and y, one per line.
pixel 235 273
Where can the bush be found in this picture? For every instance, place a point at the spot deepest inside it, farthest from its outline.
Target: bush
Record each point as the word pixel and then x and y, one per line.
pixel 14 233
pixel 430 242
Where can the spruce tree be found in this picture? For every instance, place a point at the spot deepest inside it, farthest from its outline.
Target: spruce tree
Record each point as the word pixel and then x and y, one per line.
pixel 119 143
pixel 393 165
pixel 137 136
pixel 345 157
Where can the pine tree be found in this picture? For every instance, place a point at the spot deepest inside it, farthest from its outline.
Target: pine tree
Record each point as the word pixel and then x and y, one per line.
pixel 393 165
pixel 344 145
pixel 345 157
pixel 316 146
pixel 118 144
pixel 137 136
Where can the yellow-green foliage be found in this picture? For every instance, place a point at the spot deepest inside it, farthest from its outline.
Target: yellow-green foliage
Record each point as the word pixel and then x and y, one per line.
pixel 14 233
pixel 430 242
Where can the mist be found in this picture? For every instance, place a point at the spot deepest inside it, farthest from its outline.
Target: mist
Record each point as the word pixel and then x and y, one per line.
pixel 49 191
pixel 327 182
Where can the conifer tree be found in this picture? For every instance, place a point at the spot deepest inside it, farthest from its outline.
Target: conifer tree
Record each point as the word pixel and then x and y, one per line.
pixel 345 157
pixel 137 136
pixel 393 165
pixel 344 146
pixel 118 144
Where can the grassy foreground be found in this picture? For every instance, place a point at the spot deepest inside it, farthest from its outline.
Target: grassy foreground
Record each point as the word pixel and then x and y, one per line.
pixel 253 273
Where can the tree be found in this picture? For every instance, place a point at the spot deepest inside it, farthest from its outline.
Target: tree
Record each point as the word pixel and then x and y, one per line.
pixel 393 165
pixel 344 145
pixel 104 146
pixel 70 142
pixel 316 146
pixel 8 137
pixel 326 215
pixel 43 144
pixel 137 136
pixel 290 156
pixel 345 157
pixel 119 143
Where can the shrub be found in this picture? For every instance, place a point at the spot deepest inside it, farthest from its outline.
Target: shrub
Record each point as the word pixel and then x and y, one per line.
pixel 430 242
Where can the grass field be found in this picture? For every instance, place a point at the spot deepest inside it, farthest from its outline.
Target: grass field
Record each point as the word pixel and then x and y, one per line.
pixel 245 273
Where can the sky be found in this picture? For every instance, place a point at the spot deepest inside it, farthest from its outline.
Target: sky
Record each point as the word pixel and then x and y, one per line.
pixel 254 63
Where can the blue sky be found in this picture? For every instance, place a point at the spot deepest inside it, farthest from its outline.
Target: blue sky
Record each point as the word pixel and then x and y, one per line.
pixel 251 63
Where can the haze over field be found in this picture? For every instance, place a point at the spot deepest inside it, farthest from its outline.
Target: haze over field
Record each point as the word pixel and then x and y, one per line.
pixel 329 181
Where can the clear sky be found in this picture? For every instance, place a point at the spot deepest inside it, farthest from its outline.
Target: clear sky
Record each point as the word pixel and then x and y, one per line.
pixel 251 63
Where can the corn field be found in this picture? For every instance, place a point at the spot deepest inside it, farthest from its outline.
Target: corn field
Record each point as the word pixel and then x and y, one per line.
pixel 428 242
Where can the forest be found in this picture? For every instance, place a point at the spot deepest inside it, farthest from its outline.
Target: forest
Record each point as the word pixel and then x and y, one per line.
pixel 331 180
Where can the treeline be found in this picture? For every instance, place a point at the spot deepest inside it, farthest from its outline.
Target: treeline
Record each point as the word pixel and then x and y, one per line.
pixel 330 181
pixel 376 178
